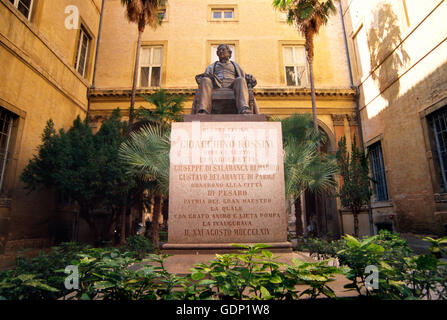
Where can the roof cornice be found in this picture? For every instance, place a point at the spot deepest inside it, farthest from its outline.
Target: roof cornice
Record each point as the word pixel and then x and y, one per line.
pixel 125 93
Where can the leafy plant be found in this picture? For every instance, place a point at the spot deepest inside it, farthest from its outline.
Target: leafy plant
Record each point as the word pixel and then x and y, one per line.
pixel 139 245
pixel 355 190
pixel 438 246
pixel 255 274
pixel 85 167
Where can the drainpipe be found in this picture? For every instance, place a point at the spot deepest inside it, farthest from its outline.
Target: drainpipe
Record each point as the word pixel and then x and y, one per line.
pixel 357 109
pixel 98 39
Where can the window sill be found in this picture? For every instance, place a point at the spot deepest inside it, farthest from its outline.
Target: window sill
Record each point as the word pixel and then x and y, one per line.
pixel 381 204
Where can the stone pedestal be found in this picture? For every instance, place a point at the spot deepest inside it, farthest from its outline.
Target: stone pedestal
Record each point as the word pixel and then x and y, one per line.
pixel 226 184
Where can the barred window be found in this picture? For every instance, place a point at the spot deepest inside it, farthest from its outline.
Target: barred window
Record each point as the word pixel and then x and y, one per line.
pixel 6 125
pixel 378 169
pixel 438 126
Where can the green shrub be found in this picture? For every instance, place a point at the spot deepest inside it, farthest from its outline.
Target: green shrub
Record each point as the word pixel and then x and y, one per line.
pixel 38 278
pixel 139 246
pixel 254 274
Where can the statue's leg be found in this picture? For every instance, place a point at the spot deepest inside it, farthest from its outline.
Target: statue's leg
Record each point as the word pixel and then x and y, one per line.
pixel 241 93
pixel 204 103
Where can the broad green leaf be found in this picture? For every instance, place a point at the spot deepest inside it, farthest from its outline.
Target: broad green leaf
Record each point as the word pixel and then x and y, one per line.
pixel 197 276
pixel 265 293
pixel 275 279
pixel 102 285
pixel 351 241
pixel 267 254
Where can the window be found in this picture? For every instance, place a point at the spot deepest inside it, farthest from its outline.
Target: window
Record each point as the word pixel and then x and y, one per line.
pixel 378 169
pixel 214 56
pixel 24 6
pixel 437 122
pixel 82 52
pixel 295 66
pixel 151 61
pixel 6 125
pixel 162 14
pixel 222 14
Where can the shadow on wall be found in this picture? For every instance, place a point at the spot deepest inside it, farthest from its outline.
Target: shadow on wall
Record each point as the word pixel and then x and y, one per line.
pixel 383 37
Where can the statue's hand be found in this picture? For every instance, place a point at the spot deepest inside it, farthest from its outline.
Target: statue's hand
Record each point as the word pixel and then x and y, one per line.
pixel 199 77
pixel 251 80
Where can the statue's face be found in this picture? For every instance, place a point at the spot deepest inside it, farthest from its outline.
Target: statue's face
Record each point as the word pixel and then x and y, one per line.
pixel 223 53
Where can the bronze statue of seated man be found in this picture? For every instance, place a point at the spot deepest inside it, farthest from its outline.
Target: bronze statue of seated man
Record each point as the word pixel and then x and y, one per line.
pixel 224 74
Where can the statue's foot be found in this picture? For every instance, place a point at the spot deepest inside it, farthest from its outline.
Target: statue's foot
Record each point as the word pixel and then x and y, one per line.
pixel 246 110
pixel 202 112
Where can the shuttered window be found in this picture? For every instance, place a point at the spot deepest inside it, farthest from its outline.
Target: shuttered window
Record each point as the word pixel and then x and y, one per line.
pixel 151 61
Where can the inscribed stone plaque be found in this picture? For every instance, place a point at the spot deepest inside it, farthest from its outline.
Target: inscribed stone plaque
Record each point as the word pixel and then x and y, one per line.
pixel 226 183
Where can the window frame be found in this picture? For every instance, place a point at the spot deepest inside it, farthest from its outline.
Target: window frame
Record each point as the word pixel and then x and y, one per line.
pixel 163 59
pixel 283 75
pixel 223 8
pixel 80 36
pixel 379 196
pixel 8 164
pixel 439 171
pixel 15 3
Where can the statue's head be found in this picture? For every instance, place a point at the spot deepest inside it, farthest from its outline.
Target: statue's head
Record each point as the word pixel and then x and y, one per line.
pixel 224 52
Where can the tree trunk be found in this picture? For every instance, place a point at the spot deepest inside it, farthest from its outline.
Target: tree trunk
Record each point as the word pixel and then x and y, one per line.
pixel 356 224
pixel 134 84
pixel 298 222
pixel 165 212
pixel 155 217
pixel 123 223
pixel 312 91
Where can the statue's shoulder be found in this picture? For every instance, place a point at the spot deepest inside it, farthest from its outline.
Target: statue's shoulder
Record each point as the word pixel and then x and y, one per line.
pixel 210 68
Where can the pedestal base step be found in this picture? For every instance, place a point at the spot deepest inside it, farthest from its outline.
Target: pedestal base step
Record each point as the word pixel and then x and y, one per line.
pixel 212 248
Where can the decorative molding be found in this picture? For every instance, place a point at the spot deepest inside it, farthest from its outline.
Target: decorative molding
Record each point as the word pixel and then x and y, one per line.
pixel 338 119
pixel 353 119
pixel 259 92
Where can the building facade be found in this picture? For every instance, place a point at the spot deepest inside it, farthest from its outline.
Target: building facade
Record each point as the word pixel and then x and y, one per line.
pixel 398 53
pixel 46 66
pixel 383 60
pixel 263 44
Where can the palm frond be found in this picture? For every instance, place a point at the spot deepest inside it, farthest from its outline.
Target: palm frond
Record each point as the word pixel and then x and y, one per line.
pixel 143 12
pixel 147 155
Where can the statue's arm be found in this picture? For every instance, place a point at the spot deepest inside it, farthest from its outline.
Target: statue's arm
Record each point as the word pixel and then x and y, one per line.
pixel 208 73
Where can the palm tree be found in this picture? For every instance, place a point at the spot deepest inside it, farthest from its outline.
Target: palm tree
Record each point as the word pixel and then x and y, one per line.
pixel 305 168
pixel 141 12
pixel 167 108
pixel 154 125
pixel 147 156
pixel 308 16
